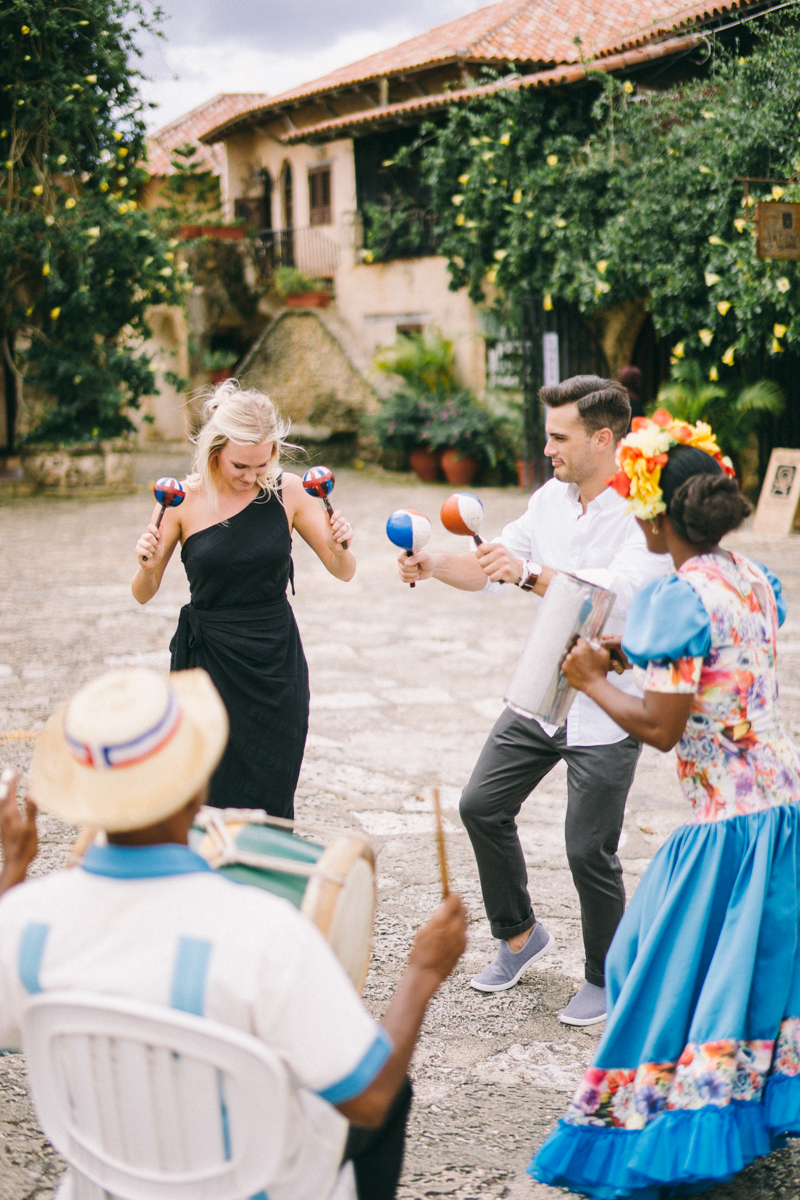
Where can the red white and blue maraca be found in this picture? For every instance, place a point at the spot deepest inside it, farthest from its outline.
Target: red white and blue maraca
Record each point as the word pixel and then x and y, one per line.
pixel 319 481
pixel 169 493
pixel 408 529
pixel 462 514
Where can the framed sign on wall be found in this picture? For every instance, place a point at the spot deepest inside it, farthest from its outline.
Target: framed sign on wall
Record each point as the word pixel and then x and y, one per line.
pixel 780 494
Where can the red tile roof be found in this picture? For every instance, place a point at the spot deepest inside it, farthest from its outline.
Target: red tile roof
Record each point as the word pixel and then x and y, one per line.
pixel 528 32
pixel 190 127
pixel 569 73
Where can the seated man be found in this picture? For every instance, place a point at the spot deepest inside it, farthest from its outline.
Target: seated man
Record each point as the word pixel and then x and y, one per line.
pixel 145 917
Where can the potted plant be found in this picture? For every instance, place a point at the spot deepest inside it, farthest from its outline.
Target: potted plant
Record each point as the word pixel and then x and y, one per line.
pixel 219 364
pixel 299 290
pixel 398 427
pixel 426 366
pixel 464 430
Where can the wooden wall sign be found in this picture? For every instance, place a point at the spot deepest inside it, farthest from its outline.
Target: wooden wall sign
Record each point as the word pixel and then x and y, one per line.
pixel 778 230
pixel 780 494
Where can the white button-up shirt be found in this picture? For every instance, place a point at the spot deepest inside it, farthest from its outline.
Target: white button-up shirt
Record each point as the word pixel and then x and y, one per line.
pixel 604 546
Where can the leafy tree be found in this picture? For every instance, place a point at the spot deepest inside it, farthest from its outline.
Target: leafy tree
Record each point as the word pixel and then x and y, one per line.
pixel 80 264
pixel 597 196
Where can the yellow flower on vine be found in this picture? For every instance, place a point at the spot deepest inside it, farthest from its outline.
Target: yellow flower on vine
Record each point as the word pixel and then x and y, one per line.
pixel 552 160
pixel 713 374
pixel 723 306
pixel 711 278
pixel 727 357
pixel 776 347
pixel 782 284
pixel 779 330
pixel 547 302
pixel 679 350
pixel 706 336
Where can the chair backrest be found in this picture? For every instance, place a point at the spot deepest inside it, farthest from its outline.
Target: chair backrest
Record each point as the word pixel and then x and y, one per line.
pixel 154 1104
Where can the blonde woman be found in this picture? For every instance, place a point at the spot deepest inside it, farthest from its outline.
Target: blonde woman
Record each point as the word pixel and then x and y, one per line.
pixel 235 529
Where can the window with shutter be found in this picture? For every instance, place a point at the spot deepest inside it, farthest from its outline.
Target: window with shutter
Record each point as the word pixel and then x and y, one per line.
pixel 319 193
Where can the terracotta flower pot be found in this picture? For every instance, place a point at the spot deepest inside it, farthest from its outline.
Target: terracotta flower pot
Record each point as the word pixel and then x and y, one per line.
pixel 425 464
pixel 221 375
pixel 526 476
pixel 459 469
pixel 308 300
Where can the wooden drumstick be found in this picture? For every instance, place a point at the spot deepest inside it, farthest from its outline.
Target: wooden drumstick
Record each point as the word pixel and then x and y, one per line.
pixel 440 846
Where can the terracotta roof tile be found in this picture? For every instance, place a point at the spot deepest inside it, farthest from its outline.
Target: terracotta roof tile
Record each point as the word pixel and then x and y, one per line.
pixel 528 32
pixel 191 127
pixel 567 73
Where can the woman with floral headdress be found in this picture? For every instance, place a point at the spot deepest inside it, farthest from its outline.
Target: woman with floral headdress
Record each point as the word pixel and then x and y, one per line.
pixel 698 1070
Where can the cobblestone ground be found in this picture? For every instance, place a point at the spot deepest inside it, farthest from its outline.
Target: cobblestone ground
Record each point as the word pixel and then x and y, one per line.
pixel 405 686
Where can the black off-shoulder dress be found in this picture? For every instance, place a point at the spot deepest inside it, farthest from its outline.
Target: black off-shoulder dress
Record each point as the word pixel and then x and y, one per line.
pixel 240 627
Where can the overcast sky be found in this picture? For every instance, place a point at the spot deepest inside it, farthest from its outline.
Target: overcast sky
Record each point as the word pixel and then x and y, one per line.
pixel 215 46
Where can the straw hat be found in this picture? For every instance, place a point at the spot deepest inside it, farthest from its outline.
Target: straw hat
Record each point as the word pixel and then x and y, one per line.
pixel 129 749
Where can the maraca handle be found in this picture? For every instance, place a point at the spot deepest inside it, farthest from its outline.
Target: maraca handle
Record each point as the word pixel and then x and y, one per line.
pixel 160 516
pixel 329 508
pixel 409 554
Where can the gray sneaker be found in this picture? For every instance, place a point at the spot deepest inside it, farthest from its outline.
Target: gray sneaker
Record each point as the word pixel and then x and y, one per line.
pixel 587 1006
pixel 509 964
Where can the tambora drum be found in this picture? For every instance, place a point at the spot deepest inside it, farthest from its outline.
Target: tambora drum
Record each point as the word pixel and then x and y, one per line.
pixel 571 608
pixel 333 885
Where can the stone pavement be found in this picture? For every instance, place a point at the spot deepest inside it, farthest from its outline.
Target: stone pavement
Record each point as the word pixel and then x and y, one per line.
pixel 405 686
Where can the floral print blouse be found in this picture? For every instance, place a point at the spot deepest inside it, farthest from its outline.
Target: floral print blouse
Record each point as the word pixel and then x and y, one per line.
pixel 712 629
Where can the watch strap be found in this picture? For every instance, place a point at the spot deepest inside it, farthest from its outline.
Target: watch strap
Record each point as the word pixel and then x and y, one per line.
pixel 530 575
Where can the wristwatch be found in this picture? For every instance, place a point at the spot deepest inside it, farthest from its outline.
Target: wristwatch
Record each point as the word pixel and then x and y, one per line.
pixel 530 575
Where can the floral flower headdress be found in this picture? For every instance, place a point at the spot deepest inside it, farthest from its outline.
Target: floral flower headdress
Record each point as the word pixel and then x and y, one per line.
pixel 642 454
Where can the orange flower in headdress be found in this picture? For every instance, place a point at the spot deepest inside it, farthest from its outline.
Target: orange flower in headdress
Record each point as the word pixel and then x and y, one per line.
pixel 642 454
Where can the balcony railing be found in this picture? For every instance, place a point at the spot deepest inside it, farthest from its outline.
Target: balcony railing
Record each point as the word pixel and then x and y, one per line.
pixel 304 248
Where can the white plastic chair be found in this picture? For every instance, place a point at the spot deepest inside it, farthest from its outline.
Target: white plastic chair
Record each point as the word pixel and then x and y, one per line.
pixel 146 1103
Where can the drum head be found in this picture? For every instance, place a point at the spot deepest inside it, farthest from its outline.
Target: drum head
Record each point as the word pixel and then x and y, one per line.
pixel 340 900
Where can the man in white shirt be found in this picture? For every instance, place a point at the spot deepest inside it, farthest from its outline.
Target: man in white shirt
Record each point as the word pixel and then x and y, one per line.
pixel 145 917
pixel 574 523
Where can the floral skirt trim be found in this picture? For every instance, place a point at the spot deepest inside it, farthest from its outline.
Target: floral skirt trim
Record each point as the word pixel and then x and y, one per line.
pixel 683 1126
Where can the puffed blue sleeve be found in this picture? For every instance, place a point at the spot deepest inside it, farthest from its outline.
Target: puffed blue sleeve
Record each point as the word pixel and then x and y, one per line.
pixel 777 591
pixel 666 621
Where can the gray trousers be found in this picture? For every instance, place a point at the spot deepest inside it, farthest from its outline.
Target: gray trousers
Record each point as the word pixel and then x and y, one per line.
pixel 517 755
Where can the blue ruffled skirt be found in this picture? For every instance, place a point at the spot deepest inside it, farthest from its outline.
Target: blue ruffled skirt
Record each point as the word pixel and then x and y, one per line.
pixel 698 1071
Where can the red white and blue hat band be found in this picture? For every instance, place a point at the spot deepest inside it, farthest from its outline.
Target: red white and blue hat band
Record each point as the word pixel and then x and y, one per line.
pixel 125 754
